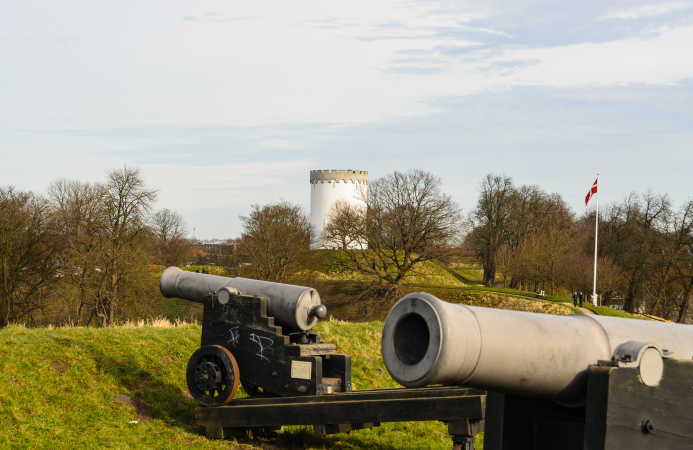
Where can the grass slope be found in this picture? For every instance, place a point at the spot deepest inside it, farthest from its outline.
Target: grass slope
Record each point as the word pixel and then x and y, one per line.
pixel 125 387
pixel 457 281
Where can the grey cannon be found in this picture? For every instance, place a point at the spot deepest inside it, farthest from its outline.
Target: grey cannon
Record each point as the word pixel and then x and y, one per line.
pixel 428 341
pixel 295 307
pixel 257 333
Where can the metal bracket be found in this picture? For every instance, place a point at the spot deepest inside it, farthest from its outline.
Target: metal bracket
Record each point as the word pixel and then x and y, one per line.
pixel 463 433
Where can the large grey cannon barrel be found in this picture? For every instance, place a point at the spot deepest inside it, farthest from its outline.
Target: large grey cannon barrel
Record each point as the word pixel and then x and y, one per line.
pixel 428 341
pixel 296 307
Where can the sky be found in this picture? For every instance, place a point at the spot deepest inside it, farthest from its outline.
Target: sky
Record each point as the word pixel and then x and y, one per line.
pixel 226 104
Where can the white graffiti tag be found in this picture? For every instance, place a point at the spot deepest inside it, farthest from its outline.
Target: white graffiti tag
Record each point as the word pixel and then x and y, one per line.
pixel 263 346
pixel 234 336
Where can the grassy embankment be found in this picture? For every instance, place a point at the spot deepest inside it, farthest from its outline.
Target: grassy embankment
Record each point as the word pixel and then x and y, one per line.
pixel 458 282
pixel 125 387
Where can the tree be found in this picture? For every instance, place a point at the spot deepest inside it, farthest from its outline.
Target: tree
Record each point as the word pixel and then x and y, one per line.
pixel 28 254
pixel 542 229
pixel 685 260
pixel 493 221
pixel 83 254
pixel 169 231
pixel 408 220
pixel 79 215
pixel 126 204
pixel 275 239
pixel 670 282
pixel 634 238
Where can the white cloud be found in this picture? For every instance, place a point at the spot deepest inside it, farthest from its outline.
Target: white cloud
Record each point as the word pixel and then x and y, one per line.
pixel 222 186
pixel 211 198
pixel 658 60
pixel 277 143
pixel 298 62
pixel 639 12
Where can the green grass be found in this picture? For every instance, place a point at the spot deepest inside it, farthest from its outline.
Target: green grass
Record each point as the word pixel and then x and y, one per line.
pixel 124 387
pixel 471 275
pixel 606 311
pixel 424 273
pixel 432 273
pixel 504 300
pixel 214 270
pixel 468 273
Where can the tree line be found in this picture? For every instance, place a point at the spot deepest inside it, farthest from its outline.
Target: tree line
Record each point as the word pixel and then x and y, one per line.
pixel 529 239
pixel 80 253
pixel 83 252
pixel 522 237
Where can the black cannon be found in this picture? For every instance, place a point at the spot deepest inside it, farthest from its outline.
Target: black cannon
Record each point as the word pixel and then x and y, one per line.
pixel 258 333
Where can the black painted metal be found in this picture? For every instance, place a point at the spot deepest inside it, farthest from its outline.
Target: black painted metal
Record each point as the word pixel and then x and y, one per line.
pixel 621 412
pixel 351 408
pixel 271 361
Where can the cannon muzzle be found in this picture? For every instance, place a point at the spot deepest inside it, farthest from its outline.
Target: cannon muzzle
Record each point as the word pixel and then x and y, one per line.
pixel 295 307
pixel 428 341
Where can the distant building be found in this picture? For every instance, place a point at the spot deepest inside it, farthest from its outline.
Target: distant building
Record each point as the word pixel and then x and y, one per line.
pixel 327 188
pixel 214 251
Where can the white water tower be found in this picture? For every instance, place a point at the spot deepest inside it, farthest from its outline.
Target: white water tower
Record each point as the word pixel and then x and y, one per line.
pixel 327 187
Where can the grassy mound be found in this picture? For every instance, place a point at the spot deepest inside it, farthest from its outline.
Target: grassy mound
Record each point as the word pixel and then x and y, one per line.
pixel 125 387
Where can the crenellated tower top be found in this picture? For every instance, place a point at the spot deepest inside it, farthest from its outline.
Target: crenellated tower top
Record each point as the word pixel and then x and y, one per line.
pixel 337 176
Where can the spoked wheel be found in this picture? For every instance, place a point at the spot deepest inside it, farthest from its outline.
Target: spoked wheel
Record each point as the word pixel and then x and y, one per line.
pixel 212 375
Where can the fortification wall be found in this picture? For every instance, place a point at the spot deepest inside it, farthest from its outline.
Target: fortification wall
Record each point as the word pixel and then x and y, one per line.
pixel 337 176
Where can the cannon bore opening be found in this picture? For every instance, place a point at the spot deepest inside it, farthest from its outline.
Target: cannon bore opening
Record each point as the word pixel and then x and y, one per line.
pixel 411 339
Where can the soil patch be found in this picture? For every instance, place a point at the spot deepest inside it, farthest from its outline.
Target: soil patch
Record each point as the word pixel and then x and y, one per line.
pixel 143 410
pixel 59 366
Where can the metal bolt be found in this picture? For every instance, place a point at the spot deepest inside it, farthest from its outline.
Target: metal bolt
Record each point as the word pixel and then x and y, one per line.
pixel 647 426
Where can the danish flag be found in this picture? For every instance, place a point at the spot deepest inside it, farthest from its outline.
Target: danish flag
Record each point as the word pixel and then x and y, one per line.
pixel 592 191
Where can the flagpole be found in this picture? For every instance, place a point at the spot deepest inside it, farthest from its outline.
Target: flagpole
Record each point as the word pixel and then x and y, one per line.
pixel 596 237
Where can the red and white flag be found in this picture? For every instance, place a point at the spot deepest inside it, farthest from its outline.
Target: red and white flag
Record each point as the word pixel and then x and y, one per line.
pixel 592 191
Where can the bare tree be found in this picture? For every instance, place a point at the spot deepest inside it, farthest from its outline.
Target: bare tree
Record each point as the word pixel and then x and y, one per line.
pixel 685 264
pixel 408 220
pixel 493 220
pixel 634 235
pixel 169 230
pixel 79 215
pixel 28 251
pixel 127 202
pixel 275 239
pixel 670 281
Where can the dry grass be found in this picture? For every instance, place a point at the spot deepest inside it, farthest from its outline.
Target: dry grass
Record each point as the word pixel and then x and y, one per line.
pixel 158 322
pixel 155 322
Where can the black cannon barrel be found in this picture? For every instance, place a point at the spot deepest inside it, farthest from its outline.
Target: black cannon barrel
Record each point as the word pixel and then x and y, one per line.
pixel 296 307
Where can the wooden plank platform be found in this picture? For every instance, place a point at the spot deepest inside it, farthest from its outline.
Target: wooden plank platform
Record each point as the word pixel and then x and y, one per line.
pixel 448 404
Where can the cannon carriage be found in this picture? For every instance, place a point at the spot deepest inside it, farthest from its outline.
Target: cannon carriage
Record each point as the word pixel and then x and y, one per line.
pixel 257 333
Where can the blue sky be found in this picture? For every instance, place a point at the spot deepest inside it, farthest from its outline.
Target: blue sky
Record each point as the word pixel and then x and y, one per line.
pixel 226 104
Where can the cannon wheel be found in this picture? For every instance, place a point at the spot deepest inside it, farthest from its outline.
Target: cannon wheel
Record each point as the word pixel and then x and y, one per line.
pixel 212 375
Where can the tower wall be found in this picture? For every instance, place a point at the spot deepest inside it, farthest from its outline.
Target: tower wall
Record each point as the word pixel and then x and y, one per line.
pixel 327 187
